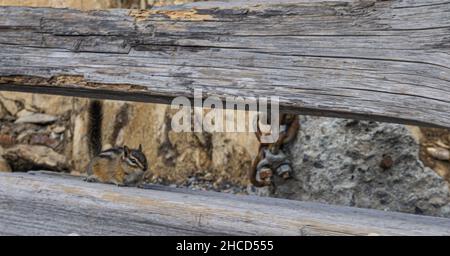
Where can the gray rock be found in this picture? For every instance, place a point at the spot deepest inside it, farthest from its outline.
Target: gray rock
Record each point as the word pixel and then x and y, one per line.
pixel 37 119
pixel 337 161
pixel 24 157
pixel 10 105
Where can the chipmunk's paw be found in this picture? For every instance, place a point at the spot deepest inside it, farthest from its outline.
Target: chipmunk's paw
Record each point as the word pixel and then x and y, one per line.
pixel 90 179
pixel 142 184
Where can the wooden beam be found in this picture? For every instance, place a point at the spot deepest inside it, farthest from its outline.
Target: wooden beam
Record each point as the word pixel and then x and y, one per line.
pixel 51 204
pixel 382 60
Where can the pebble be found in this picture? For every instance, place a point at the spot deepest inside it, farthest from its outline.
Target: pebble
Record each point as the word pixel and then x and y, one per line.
pixel 197 183
pixel 59 129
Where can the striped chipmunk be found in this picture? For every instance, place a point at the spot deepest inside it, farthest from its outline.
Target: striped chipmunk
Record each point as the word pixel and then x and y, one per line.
pixel 121 166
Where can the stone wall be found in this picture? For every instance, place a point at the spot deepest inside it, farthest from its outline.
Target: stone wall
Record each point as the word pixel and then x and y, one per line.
pixel 60 124
pixel 363 164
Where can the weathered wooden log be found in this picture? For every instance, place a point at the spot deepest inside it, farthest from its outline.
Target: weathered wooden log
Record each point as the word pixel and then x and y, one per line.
pixel 382 60
pixel 44 204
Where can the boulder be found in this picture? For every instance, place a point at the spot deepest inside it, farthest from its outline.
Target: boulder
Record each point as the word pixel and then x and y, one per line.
pixel 9 105
pixel 362 164
pixel 24 112
pixel 24 158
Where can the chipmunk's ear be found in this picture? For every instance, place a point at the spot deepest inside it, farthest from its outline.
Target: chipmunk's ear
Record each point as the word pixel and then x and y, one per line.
pixel 140 147
pixel 126 151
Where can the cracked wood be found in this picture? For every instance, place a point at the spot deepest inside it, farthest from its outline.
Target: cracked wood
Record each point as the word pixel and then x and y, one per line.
pixel 44 203
pixel 367 59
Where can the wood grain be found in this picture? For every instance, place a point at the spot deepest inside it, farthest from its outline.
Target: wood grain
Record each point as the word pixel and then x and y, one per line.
pixel 381 60
pixel 40 203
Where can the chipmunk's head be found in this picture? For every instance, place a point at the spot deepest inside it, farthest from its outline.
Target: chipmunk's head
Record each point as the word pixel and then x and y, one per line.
pixel 134 164
pixel 135 158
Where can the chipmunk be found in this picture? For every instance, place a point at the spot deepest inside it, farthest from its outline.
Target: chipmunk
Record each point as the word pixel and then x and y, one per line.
pixel 121 166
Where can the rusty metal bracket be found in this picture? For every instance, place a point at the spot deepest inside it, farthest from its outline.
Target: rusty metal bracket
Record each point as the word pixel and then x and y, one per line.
pixel 271 159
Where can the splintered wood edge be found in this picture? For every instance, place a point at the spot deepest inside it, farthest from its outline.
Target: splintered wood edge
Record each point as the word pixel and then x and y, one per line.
pixel 78 86
pixel 400 77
